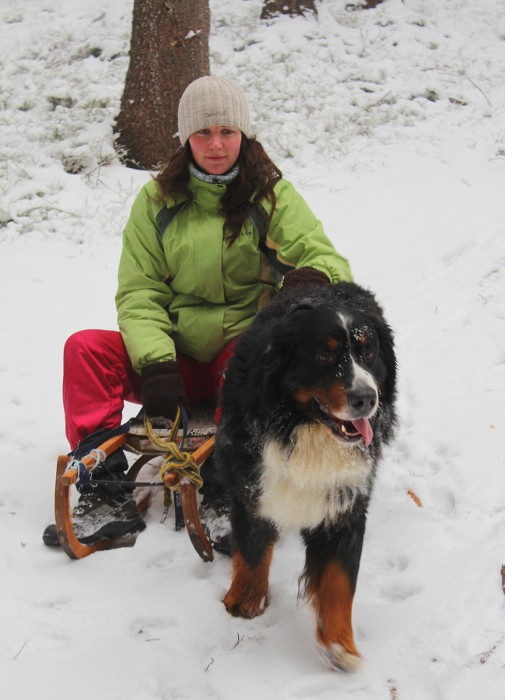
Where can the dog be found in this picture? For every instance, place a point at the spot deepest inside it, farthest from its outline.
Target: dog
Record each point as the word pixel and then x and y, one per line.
pixel 308 402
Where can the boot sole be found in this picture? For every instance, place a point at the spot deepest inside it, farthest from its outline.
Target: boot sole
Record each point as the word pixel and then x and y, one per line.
pixel 111 531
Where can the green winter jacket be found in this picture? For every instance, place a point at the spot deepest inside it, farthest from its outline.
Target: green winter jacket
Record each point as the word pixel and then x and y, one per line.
pixel 185 290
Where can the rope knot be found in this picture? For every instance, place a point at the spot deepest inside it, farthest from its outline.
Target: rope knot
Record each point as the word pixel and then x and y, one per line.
pixel 175 461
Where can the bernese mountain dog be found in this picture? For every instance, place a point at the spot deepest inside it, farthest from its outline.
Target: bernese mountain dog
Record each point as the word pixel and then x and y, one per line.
pixel 308 402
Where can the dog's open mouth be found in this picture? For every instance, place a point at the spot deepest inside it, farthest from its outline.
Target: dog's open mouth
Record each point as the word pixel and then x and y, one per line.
pixel 351 431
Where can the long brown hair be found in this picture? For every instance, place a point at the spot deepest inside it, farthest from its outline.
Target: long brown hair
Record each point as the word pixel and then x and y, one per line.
pixel 256 179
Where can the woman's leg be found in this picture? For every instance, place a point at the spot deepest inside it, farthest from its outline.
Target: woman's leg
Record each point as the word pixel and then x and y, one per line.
pixel 202 381
pixel 97 378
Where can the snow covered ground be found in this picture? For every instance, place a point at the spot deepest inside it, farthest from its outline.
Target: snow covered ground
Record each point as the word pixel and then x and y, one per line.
pixel 391 122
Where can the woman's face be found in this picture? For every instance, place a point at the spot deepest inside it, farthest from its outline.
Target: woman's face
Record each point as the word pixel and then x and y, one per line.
pixel 216 148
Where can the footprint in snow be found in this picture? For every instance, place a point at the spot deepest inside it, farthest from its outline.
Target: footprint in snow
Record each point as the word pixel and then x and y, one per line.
pixel 161 561
pixel 150 629
pixel 397 563
pixel 397 591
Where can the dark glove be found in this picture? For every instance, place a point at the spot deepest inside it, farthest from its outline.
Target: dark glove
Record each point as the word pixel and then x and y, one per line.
pixel 303 277
pixel 163 389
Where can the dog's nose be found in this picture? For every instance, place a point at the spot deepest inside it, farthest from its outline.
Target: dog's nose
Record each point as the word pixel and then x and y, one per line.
pixel 363 401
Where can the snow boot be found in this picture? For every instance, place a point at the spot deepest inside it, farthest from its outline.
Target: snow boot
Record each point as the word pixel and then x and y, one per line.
pixel 106 508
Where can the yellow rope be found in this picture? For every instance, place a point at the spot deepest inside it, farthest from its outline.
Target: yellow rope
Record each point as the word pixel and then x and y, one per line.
pixel 175 460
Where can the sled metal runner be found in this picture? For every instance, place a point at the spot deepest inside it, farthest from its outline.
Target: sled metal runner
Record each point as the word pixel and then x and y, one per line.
pixel 67 476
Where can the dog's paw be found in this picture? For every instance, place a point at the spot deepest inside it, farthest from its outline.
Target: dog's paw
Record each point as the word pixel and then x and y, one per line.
pixel 247 606
pixel 338 658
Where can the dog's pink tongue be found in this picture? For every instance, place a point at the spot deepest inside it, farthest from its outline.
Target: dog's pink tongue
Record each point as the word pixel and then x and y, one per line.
pixel 364 428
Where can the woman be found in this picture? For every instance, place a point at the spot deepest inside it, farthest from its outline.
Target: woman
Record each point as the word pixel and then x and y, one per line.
pixel 188 289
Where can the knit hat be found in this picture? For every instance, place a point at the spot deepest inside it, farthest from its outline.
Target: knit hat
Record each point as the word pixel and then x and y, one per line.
pixel 212 101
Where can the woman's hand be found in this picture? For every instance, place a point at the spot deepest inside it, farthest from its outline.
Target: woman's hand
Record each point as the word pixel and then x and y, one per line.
pixel 303 277
pixel 163 389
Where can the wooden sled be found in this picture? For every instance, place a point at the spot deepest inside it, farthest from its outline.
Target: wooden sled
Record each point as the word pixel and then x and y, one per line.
pixel 196 447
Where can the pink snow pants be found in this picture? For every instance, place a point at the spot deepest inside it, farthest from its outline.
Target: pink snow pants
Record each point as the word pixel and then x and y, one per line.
pixel 98 378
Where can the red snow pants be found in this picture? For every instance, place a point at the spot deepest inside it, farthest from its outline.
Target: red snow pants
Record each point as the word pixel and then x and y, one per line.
pixel 98 378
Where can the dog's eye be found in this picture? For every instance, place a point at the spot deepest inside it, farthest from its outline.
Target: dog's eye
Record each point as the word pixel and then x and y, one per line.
pixel 326 357
pixel 369 356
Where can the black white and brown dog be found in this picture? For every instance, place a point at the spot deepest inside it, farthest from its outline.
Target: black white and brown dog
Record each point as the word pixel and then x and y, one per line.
pixel 307 403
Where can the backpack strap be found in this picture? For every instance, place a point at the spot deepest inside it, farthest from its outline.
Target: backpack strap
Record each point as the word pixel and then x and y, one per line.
pixel 166 215
pixel 259 220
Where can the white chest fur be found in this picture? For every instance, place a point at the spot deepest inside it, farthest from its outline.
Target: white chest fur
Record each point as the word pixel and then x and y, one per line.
pixel 312 482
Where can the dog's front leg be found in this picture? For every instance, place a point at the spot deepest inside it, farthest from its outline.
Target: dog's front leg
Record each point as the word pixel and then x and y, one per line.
pixel 247 596
pixel 331 571
pixel 254 540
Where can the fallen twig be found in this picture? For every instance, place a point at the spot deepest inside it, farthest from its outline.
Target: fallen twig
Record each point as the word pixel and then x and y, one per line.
pixel 19 652
pixel 415 498
pixel 484 656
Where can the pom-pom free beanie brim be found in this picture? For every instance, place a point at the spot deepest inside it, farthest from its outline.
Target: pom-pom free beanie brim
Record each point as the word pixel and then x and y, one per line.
pixel 212 101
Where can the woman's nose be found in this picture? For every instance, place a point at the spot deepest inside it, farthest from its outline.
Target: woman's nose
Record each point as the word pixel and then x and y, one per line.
pixel 216 142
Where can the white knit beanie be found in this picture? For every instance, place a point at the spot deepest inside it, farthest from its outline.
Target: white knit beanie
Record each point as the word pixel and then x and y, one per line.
pixel 212 101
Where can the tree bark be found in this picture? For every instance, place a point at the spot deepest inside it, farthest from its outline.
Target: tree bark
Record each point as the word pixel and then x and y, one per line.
pixel 293 8
pixel 169 49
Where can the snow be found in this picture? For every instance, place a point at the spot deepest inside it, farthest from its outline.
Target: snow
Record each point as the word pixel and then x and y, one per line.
pixel 391 122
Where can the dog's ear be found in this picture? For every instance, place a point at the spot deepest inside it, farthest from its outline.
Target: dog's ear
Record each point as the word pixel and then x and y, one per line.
pixel 276 344
pixel 265 373
pixel 387 351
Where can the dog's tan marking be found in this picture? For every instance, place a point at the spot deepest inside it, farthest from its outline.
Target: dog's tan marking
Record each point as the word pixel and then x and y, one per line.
pixel 332 596
pixel 247 596
pixel 335 397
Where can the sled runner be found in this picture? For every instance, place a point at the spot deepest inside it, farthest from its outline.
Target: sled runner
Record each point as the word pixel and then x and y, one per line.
pixel 183 452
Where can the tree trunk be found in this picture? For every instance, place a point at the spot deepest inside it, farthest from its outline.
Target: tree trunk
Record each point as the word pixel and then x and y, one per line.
pixel 169 48
pixel 293 8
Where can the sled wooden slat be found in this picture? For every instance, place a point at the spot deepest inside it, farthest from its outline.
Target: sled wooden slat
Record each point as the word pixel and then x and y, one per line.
pixel 66 478
pixel 190 507
pixel 109 446
pixel 189 504
pixel 192 521
pixel 63 512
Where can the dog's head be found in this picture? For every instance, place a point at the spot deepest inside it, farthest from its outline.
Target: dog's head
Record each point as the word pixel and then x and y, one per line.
pixel 330 356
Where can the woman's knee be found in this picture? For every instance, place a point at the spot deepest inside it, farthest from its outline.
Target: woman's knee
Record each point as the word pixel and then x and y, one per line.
pixel 94 342
pixel 80 341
